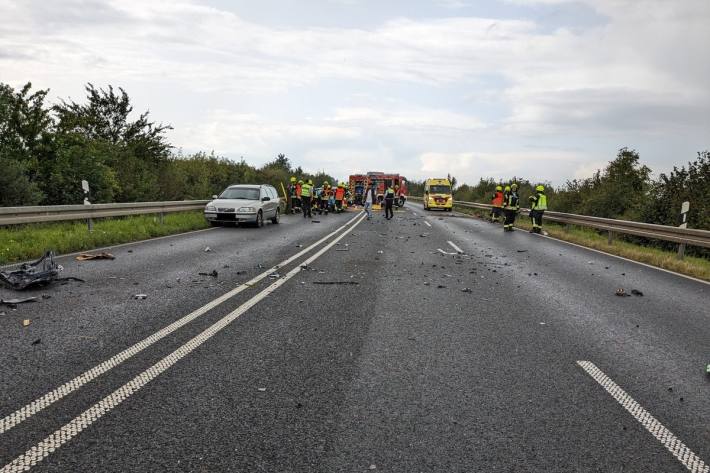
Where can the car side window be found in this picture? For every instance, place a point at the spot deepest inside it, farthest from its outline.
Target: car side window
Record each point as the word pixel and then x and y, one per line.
pixel 275 193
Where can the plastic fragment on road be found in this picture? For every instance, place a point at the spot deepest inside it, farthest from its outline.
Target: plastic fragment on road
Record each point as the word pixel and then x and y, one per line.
pixel 207 249
pixel 466 289
pixel 38 273
pixel 26 322
pixel 274 276
pixel 12 302
pixel 212 273
pixel 37 342
pixel 636 292
pixel 94 256
pixel 262 389
pixel 140 297
pixel 621 293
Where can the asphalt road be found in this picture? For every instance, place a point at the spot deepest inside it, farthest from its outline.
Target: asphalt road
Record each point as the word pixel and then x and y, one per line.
pixel 512 354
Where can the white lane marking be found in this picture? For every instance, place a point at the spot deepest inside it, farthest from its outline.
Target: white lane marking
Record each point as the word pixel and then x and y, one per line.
pixel 446 252
pixel 674 445
pixel 453 245
pixel 626 259
pixel 427 223
pixel 53 396
pixel 70 430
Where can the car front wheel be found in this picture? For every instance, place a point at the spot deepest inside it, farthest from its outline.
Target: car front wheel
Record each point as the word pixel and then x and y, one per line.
pixel 259 219
pixel 277 217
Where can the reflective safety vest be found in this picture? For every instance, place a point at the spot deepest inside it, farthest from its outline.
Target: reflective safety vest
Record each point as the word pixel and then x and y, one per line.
pixel 325 193
pixel 512 201
pixel 389 193
pixel 298 190
pixel 306 190
pixel 541 203
pixel 497 199
pixel 339 193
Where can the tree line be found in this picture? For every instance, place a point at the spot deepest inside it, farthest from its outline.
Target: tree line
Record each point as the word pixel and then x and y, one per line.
pixel 46 150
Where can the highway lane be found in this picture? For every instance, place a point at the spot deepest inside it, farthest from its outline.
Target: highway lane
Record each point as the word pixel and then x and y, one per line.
pixel 394 373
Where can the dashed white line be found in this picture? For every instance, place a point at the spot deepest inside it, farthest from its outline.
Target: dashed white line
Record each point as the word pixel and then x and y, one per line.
pixel 453 245
pixel 674 445
pixel 53 396
pixel 446 252
pixel 427 223
pixel 70 430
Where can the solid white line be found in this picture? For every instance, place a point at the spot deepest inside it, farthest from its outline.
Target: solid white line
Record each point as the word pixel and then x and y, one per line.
pixel 453 245
pixel 427 223
pixel 445 252
pixel 53 396
pixel 70 430
pixel 686 456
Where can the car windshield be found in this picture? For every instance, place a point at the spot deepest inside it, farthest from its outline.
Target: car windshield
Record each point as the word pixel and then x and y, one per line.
pixel 245 193
pixel 440 189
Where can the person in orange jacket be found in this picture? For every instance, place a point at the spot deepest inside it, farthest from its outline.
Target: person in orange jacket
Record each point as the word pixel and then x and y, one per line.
pixel 497 203
pixel 339 197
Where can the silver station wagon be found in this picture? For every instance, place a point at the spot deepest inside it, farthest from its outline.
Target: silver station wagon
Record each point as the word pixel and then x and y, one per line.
pixel 244 203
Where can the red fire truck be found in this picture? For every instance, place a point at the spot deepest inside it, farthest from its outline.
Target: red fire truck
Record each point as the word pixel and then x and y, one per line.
pixel 380 181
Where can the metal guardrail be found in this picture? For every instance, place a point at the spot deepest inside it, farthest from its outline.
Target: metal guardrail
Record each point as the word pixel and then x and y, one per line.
pixel 54 213
pixel 686 236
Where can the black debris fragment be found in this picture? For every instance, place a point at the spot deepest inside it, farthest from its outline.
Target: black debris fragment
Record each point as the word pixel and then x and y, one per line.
pixel 38 273
pixel 37 342
pixel 636 292
pixel 466 289
pixel 212 273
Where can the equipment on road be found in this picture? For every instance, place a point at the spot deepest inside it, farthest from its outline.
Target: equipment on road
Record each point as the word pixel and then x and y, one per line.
pixel 438 194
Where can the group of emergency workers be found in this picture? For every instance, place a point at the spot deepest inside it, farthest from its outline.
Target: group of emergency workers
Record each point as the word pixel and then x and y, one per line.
pixel 304 197
pixel 506 205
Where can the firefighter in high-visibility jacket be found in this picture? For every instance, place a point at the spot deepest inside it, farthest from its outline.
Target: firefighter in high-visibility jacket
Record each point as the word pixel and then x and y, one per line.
pixel 511 205
pixel 538 205
pixel 339 197
pixel 389 203
pixel 497 204
pixel 306 196
pixel 292 195
pixel 324 197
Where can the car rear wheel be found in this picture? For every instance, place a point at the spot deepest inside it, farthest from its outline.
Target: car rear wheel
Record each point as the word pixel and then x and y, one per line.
pixel 277 217
pixel 259 220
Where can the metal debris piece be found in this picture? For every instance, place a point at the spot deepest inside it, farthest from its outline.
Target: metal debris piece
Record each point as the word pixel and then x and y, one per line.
pixel 37 342
pixel 26 322
pixel 621 293
pixel 208 249
pixel 93 256
pixel 466 289
pixel 39 273
pixel 12 302
pixel 274 276
pixel 140 297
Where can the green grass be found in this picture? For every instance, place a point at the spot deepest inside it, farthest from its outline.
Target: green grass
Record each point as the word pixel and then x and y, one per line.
pixel 691 266
pixel 25 242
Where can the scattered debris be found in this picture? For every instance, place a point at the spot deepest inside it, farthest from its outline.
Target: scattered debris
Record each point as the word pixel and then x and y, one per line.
pixel 46 296
pixel 213 273
pixel 262 389
pixel 522 251
pixel 424 235
pixel 274 276
pixel 441 286
pixel 26 322
pixel 379 252
pixel 315 221
pixel 336 283
pixel 39 273
pixel 373 467
pixel 299 246
pixel 37 342
pixel 621 293
pixel 707 369
pixel 241 272
pixel 542 323
pixel 466 289
pixel 140 297
pixel 93 256
pixel 14 302
pixel 636 292
pixel 206 250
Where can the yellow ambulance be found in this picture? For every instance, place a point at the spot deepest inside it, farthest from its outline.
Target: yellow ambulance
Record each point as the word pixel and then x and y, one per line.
pixel 437 195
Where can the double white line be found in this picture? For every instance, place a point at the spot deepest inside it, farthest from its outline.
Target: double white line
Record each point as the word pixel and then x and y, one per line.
pixel 40 451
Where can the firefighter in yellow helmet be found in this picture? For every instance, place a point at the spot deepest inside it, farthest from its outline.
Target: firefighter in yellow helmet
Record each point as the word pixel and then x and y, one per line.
pixel 306 198
pixel 538 205
pixel 497 204
pixel 511 205
pixel 292 195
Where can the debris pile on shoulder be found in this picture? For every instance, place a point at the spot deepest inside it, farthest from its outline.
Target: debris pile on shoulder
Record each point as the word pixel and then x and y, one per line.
pixel 39 273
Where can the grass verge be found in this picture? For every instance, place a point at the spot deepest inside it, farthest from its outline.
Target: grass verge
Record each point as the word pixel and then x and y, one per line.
pixel 25 242
pixel 691 266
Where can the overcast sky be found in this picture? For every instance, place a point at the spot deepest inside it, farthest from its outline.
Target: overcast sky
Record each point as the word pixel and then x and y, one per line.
pixel 547 89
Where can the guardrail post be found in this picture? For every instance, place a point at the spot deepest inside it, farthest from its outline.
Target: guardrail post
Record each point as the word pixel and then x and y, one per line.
pixel 681 251
pixel 162 218
pixel 610 237
pixel 567 227
pixel 90 224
